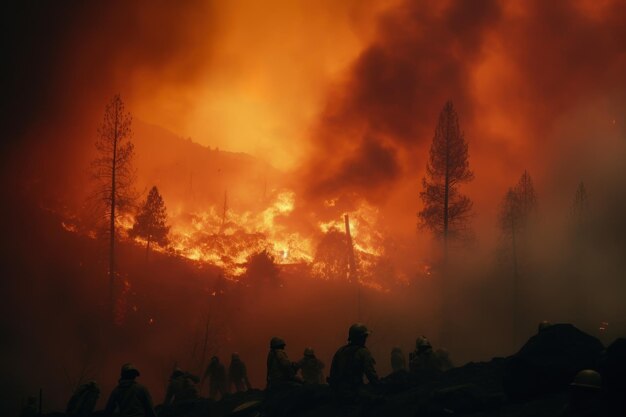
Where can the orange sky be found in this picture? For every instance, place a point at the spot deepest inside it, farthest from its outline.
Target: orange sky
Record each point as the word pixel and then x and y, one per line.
pixel 344 95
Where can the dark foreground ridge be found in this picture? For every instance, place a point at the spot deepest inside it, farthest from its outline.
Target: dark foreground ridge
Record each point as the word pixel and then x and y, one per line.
pixel 540 380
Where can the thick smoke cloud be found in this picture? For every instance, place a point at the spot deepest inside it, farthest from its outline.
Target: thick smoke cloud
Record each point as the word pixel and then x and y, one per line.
pixel 515 71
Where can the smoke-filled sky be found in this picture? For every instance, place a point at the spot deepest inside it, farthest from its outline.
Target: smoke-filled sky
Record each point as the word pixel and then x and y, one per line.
pixel 344 94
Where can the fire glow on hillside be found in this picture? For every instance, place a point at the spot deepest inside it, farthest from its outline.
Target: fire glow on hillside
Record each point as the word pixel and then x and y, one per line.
pixel 227 239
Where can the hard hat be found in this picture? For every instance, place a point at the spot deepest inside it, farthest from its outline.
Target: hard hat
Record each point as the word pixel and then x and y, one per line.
pixel 309 352
pixel 543 325
pixel 588 379
pixel 358 330
pixel 129 371
pixel 422 343
pixel 277 343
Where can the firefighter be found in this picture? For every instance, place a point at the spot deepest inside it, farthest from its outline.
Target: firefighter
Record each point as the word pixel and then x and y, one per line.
pixel 352 361
pixel 181 388
pixel 586 399
pixel 216 372
pixel 543 325
pixel 84 400
pixel 424 359
pixel 280 370
pixel 311 368
pixel 238 374
pixel 398 360
pixel 132 398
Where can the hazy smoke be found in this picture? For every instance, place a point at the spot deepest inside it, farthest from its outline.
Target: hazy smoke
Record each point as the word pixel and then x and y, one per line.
pixel 515 71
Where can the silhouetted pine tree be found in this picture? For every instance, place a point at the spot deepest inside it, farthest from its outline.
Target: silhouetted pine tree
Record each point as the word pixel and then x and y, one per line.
pixel 150 223
pixel 517 210
pixel 446 212
pixel 113 171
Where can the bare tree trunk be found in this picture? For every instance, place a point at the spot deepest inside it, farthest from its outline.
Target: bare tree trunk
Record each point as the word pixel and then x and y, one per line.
pixel 515 286
pixel 443 333
pixel 147 249
pixel 112 222
pixel 352 264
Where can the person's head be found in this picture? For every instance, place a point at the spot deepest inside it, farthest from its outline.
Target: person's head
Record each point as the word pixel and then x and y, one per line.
pixel 396 350
pixel 92 385
pixel 277 343
pixel 176 372
pixel 235 357
pixel 544 324
pixel 129 371
pixel 309 352
pixel 215 359
pixel 422 344
pixel 586 388
pixel 357 335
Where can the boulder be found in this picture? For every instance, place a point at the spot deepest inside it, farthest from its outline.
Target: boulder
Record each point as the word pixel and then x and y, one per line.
pixel 613 370
pixel 548 362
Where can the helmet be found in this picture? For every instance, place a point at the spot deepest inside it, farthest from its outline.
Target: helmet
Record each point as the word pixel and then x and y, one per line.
pixel 277 343
pixel 543 325
pixel 176 372
pixel 309 352
pixel 422 343
pixel 129 371
pixel 358 330
pixel 588 379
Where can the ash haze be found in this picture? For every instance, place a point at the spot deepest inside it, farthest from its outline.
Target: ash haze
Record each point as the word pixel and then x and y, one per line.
pixel 262 124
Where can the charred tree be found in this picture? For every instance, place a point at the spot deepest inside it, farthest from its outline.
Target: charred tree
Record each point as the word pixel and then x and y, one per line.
pixel 446 212
pixel 150 224
pixel 580 209
pixel 261 270
pixel 515 219
pixel 510 224
pixel 525 192
pixel 329 261
pixel 352 263
pixel 579 232
pixel 113 171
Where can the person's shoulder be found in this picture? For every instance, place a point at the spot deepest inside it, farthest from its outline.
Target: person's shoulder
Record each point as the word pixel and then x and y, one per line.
pixel 141 388
pixel 342 349
pixel 363 352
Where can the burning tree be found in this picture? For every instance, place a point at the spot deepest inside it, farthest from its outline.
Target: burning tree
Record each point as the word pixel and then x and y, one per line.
pixel 517 208
pixel 150 223
pixel 113 171
pixel 446 212
pixel 331 256
pixel 261 270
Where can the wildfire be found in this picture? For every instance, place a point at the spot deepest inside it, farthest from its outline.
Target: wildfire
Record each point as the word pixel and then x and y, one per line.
pixel 229 238
pixel 228 241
